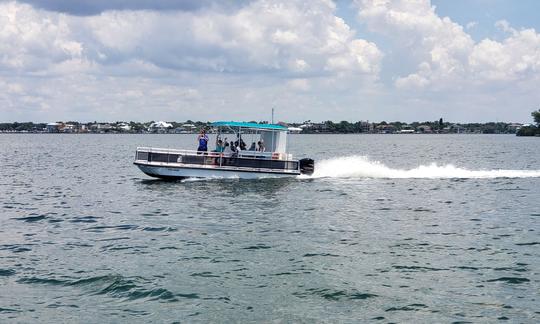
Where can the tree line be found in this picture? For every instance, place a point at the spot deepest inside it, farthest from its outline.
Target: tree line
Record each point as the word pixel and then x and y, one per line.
pixel 531 130
pixel 308 127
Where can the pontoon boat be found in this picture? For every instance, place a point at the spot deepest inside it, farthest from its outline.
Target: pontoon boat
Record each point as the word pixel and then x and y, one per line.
pixel 271 161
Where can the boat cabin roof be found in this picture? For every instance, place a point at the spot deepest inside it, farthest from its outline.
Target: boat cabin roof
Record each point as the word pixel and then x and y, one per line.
pixel 271 127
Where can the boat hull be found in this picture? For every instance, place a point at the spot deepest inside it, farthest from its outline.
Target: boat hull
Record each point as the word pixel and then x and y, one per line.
pixel 182 172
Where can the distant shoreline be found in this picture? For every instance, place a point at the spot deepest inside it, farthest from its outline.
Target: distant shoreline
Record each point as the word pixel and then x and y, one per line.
pixel 89 133
pixel 307 127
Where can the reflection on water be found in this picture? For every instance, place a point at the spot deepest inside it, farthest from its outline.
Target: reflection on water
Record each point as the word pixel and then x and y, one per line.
pixel 218 187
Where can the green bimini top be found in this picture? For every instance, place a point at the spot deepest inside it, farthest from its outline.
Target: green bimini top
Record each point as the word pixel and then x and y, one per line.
pixel 249 125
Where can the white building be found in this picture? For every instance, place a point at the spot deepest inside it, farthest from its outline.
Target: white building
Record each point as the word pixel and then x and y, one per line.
pixel 53 127
pixel 124 127
pixel 295 130
pixel 160 127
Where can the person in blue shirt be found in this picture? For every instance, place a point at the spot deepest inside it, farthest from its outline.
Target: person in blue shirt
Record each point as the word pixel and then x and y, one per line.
pixel 203 141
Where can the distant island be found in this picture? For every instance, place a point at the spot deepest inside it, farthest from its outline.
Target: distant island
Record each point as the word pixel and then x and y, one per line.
pixel 307 127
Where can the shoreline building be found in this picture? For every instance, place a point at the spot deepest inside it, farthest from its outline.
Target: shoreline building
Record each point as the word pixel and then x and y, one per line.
pixel 53 127
pixel 160 127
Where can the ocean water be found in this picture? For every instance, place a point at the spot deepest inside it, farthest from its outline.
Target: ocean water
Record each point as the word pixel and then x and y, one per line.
pixel 390 228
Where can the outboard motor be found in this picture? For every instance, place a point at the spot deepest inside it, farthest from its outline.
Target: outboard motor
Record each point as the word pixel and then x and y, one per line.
pixel 307 166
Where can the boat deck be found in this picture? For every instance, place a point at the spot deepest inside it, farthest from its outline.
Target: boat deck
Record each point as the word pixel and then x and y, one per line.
pixel 249 161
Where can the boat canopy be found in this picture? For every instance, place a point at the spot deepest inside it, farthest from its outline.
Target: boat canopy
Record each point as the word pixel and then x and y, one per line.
pixel 273 136
pixel 274 127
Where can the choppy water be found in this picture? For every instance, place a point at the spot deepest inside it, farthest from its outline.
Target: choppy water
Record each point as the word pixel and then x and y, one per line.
pixel 391 228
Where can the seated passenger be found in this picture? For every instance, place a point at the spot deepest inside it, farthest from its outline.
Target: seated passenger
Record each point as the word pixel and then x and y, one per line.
pixel 252 147
pixel 242 145
pixel 227 148
pixel 261 146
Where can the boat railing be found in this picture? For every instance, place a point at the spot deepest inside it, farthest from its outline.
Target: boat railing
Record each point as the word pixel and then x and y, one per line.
pixel 244 159
pixel 240 154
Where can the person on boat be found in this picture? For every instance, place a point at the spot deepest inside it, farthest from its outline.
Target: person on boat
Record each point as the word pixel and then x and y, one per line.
pixel 261 146
pixel 242 145
pixel 220 147
pixel 227 148
pixel 203 141
pixel 252 147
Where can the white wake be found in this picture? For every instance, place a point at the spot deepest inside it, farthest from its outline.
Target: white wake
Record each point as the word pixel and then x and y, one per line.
pixel 362 167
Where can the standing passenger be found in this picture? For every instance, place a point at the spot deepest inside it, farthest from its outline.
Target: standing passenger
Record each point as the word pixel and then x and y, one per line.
pixel 203 141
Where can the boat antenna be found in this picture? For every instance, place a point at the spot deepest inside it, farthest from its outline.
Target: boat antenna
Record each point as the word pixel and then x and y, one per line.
pixel 272 115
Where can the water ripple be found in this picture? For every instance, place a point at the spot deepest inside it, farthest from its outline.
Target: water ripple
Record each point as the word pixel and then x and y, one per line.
pixel 115 286
pixel 32 219
pixel 7 272
pixel 510 280
pixel 334 295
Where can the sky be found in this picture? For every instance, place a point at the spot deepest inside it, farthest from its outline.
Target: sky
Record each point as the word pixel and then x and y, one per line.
pixel 142 60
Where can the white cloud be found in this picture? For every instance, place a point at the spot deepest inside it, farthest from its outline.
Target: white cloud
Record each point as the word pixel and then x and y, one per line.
pixel 264 36
pixel 32 40
pixel 284 37
pixel 433 41
pixel 471 24
pixel 517 57
pixel 235 63
pixel 504 26
pixel 446 55
pixel 288 37
pixel 115 58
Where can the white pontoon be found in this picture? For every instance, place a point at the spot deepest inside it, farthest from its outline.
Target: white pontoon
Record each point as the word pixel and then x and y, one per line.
pixel 273 161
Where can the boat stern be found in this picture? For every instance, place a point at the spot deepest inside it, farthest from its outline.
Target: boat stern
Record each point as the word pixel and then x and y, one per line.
pixel 307 166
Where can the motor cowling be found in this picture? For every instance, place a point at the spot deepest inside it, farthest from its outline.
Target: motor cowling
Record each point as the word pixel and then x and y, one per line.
pixel 307 166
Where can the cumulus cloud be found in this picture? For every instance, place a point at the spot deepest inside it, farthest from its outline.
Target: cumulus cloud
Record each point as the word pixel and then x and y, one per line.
pixel 445 54
pixel 31 40
pixel 439 45
pixel 289 40
pixel 515 58
pixel 264 36
pixel 211 59
pixel 286 37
